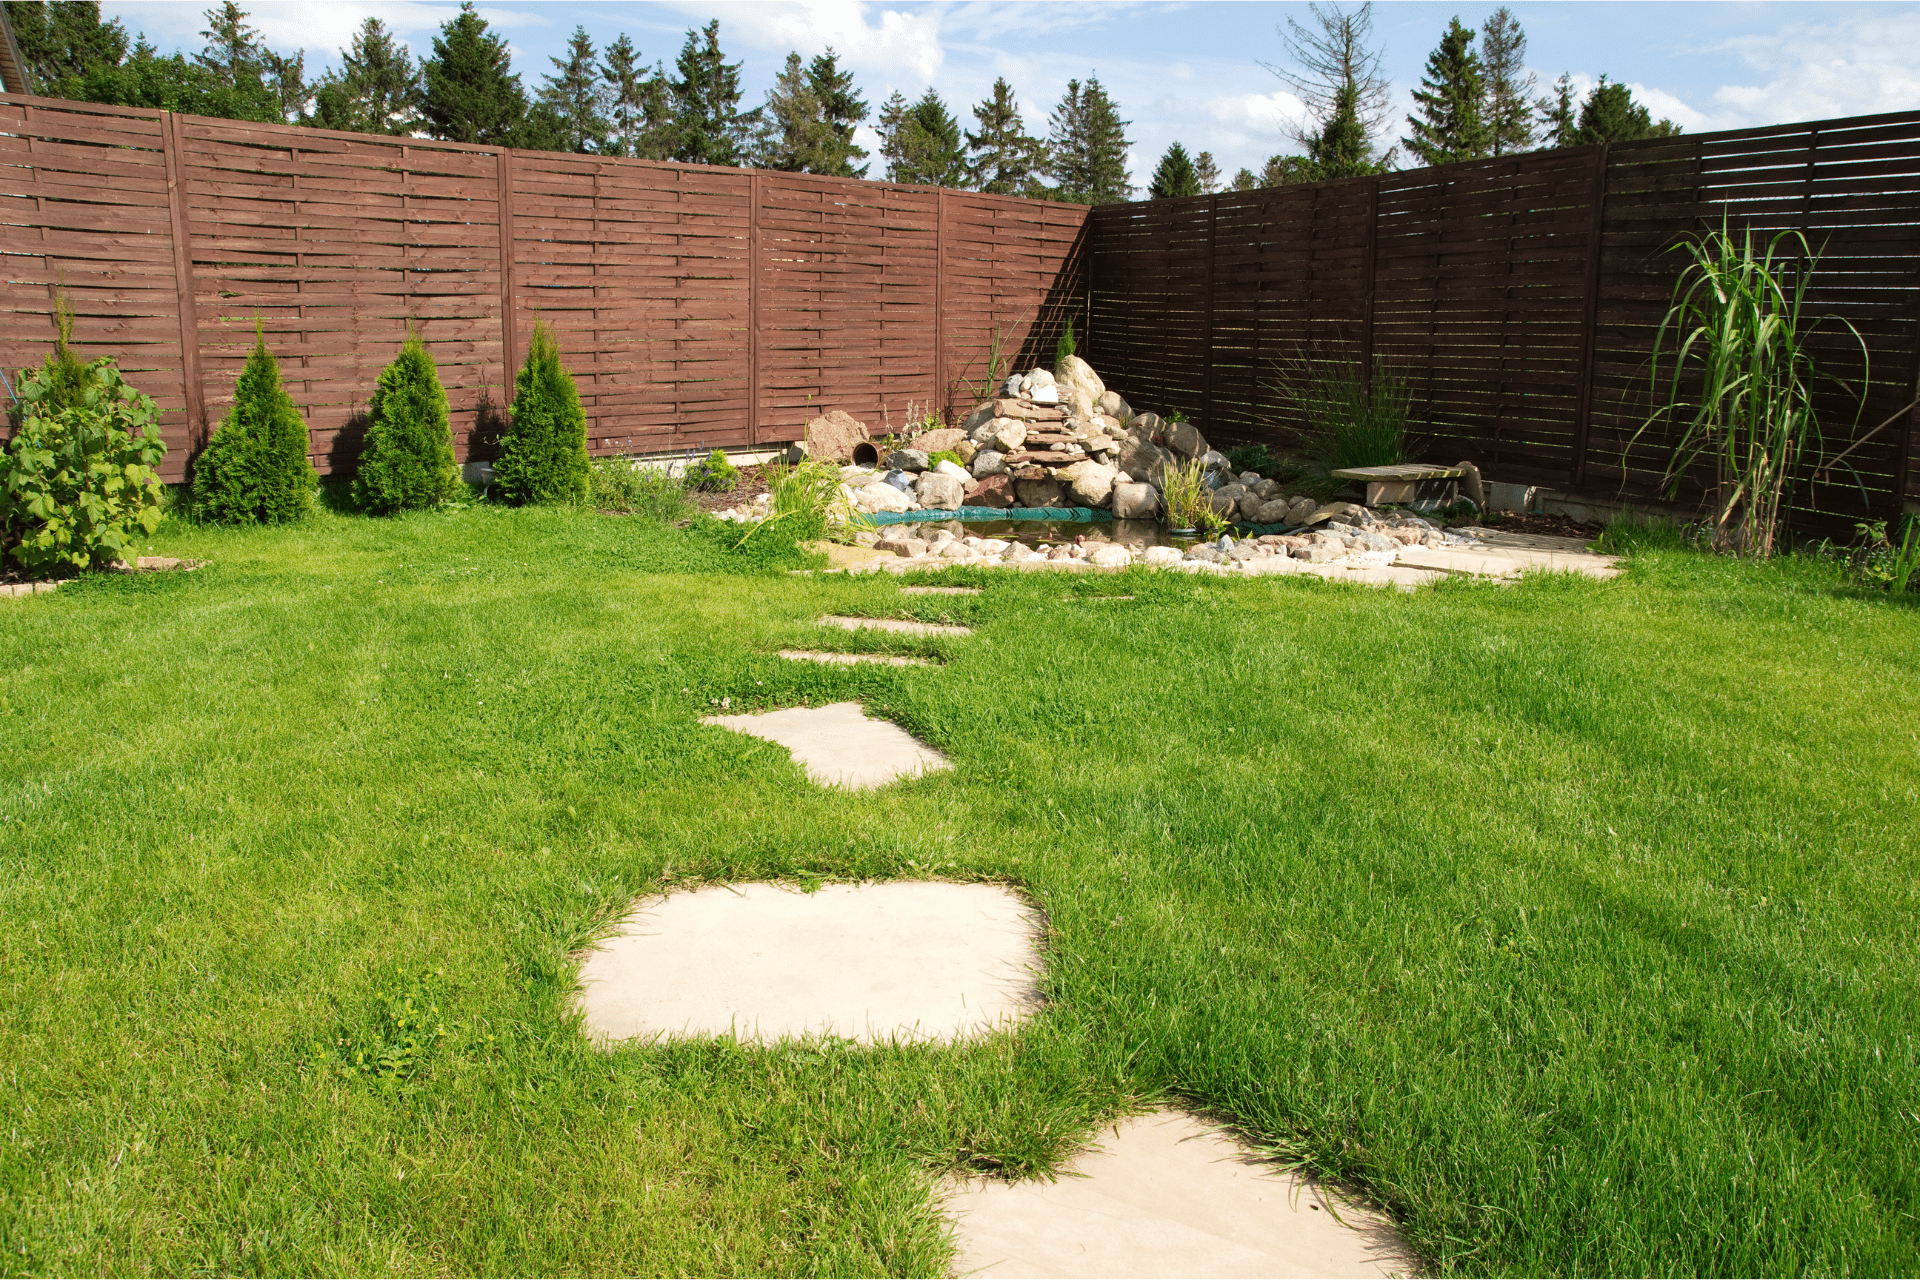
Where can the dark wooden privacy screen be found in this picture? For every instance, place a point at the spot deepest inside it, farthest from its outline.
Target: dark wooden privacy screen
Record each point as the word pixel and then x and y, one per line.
pixel 698 307
pixel 1520 296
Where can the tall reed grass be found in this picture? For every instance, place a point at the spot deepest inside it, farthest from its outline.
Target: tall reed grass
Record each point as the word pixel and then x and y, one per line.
pixel 1347 420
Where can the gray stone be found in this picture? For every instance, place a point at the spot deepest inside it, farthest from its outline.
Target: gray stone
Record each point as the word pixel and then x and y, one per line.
pixel 1161 556
pixel 1206 551
pixel 981 415
pixel 931 442
pixel 1142 426
pixel 1111 403
pixel 1267 490
pixel 989 462
pixel 906 460
pixel 946 468
pixel 1300 510
pixel 1135 502
pixel 1073 372
pixel 899 480
pixel 1185 439
pixel 882 497
pixel 1008 435
pixel 1223 506
pixel 940 492
pixel 1040 493
pixel 1376 542
pixel 1273 511
pixel 1215 461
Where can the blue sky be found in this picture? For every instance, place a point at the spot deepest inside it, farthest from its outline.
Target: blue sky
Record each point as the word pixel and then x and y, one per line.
pixel 1190 72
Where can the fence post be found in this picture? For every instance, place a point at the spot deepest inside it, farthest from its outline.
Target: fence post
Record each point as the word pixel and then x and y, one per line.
pixel 194 392
pixel 753 308
pixel 1589 335
pixel 940 395
pixel 1366 304
pixel 1206 366
pixel 509 328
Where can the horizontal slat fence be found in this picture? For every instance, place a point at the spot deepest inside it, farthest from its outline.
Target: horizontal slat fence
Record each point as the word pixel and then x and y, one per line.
pixel 698 307
pixel 1520 297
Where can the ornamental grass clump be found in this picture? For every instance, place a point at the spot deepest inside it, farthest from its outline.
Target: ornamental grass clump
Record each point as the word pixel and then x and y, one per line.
pixel 1733 380
pixel 78 479
pixel 255 470
pixel 543 457
pixel 408 462
pixel 1346 418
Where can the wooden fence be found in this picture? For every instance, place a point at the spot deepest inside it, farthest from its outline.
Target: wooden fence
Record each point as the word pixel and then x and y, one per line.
pixel 698 307
pixel 1520 297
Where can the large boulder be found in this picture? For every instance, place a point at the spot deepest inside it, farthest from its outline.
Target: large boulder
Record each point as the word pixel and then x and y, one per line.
pixel 1111 403
pixel 899 544
pixel 907 460
pixel 1040 493
pixel 1185 439
pixel 1301 510
pixel 936 441
pixel 1270 511
pixel 1089 483
pixel 1144 426
pixel 989 462
pixel 832 436
pixel 981 415
pixel 994 491
pixel 1144 461
pixel 940 492
pixel 1135 502
pixel 1075 374
pixel 1223 506
pixel 1110 555
pixel 882 497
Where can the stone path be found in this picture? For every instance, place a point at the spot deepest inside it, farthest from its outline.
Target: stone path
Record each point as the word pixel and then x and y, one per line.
pixel 939 591
pixel 854 659
pixel 1166 1195
pixel 839 746
pixel 901 960
pixel 894 624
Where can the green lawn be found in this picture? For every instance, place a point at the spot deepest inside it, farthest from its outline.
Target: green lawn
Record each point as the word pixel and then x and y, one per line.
pixel 1574 921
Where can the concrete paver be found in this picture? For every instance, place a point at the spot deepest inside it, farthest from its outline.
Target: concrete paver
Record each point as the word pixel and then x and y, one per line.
pixel 900 960
pixel 855 659
pixel 939 591
pixel 838 745
pixel 1166 1195
pixel 894 624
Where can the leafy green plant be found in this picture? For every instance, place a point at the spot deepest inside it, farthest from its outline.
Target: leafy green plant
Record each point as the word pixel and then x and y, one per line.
pixel 403 1034
pixel 713 474
pixel 1733 380
pixel 543 456
pixel 1878 559
pixel 1346 419
pixel 616 484
pixel 408 462
pixel 1065 346
pixel 79 479
pixel 255 469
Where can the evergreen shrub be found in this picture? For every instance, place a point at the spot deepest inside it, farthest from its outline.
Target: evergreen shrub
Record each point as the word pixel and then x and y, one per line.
pixel 1065 346
pixel 255 469
pixel 407 464
pixel 543 457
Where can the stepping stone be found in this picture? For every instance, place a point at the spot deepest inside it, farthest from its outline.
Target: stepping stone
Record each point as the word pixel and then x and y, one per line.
pixel 894 624
pixel 1165 1195
pixel 839 746
pixel 1095 598
pixel 1500 562
pixel 907 960
pixel 854 659
pixel 939 591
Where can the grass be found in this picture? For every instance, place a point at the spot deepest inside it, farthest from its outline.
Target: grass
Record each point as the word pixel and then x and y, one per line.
pixel 1574 921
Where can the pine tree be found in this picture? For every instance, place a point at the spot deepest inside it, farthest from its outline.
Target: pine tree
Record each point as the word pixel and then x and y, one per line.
pixel 808 121
pixel 407 464
pixel 1558 125
pixel 255 469
pixel 1175 176
pixel 472 94
pixel 1508 110
pixel 1206 172
pixel 708 125
pixel 576 97
pixel 639 119
pixel 1088 146
pixel 544 455
pixel 1611 115
pixel 1005 160
pixel 1339 79
pixel 376 90
pixel 921 142
pixel 64 41
pixel 1450 126
pixel 233 49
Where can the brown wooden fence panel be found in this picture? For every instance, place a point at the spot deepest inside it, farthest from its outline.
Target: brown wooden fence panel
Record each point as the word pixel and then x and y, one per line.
pixel 698 307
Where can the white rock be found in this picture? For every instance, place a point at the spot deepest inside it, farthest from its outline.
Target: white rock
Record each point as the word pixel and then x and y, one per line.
pixel 1008 435
pixel 882 497
pixel 947 468
pixel 1044 395
pixel 1161 556
pixel 1110 555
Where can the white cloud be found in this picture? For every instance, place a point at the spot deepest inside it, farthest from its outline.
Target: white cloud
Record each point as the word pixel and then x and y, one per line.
pixel 1254 119
pixel 320 29
pixel 1861 64
pixel 904 46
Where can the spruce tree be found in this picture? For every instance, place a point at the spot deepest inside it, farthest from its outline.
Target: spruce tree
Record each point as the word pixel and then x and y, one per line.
pixel 1450 126
pixel 922 142
pixel 1005 160
pixel 1206 172
pixel 1508 111
pixel 1559 126
pixel 843 108
pixel 1088 145
pixel 544 455
pixel 1337 75
pixel 808 121
pixel 255 469
pixel 376 90
pixel 639 119
pixel 708 125
pixel 407 464
pixel 1611 115
pixel 577 98
pixel 233 49
pixel 1175 176
pixel 1245 180
pixel 472 95
pixel 64 41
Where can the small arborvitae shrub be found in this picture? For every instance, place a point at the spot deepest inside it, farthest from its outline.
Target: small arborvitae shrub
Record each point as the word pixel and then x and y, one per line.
pixel 713 474
pixel 1065 347
pixel 78 480
pixel 543 457
pixel 407 464
pixel 255 469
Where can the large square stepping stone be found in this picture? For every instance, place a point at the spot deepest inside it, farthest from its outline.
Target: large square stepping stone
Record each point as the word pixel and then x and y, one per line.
pixel 854 659
pixel 1166 1195
pixel 904 960
pixel 900 625
pixel 839 746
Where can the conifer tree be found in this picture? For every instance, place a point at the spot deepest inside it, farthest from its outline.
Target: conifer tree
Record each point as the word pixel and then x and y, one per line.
pixel 1245 180
pixel 1206 172
pixel 708 125
pixel 842 108
pixel 543 457
pixel 65 41
pixel 639 118
pixel 1004 159
pixel 1088 144
pixel 407 464
pixel 577 98
pixel 1175 176
pixel 1559 126
pixel 808 122
pixel 921 142
pixel 1611 115
pixel 256 469
pixel 472 94
pixel 1509 104
pixel 233 49
pixel 1450 125
pixel 1337 75
pixel 376 90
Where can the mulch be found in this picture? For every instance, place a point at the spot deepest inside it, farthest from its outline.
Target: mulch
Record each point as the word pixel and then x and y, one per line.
pixel 1545 525
pixel 753 481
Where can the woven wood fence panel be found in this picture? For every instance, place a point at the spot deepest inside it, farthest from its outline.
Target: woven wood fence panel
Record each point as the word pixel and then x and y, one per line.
pixel 698 307
pixel 1520 297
